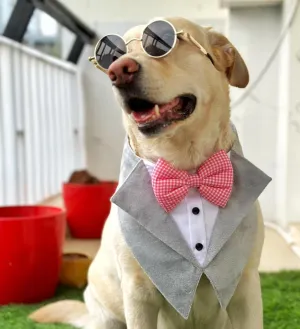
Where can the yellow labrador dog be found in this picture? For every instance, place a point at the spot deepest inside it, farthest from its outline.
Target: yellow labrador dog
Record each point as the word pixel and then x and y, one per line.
pixel 171 79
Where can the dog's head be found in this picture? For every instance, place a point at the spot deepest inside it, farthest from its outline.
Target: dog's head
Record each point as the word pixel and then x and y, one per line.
pixel 179 96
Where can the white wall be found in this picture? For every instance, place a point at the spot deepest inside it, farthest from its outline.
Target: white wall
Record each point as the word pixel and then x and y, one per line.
pixel 269 120
pixel 94 11
pixel 290 132
pixel 254 31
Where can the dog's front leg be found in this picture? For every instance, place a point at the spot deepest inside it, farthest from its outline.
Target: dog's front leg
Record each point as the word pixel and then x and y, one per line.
pixel 142 302
pixel 245 309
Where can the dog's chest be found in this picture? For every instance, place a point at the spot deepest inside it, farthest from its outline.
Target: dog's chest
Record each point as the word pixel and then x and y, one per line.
pixel 206 312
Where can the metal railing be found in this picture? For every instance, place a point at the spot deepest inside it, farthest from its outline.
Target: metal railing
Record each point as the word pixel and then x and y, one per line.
pixel 41 123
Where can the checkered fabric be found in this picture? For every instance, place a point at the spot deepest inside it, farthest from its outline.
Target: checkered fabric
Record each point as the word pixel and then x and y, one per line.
pixel 214 180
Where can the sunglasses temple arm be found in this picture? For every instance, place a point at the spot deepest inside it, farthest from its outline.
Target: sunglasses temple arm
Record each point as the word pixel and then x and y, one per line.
pixel 92 59
pixel 197 44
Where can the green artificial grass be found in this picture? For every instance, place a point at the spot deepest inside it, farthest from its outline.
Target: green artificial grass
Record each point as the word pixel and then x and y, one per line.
pixel 15 316
pixel 281 295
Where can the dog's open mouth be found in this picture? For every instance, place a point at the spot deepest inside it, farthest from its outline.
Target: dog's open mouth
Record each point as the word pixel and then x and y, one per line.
pixel 151 118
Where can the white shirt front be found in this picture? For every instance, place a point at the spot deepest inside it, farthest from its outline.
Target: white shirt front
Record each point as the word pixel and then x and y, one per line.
pixel 195 218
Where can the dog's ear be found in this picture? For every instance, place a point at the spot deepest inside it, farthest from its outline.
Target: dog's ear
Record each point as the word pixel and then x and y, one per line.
pixel 228 59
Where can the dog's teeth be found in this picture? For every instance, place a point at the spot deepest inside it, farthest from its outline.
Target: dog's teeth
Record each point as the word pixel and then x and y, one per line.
pixel 156 110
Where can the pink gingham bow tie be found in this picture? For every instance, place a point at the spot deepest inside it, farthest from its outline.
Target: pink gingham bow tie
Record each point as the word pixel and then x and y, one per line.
pixel 214 180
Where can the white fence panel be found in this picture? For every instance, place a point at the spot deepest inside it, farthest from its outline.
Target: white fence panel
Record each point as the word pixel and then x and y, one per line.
pixel 41 124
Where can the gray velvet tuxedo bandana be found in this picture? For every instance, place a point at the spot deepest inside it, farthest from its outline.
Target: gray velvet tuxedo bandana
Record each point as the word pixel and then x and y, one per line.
pixel 159 247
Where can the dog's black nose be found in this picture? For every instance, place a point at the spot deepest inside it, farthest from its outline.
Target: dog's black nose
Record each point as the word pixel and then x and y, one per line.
pixel 123 71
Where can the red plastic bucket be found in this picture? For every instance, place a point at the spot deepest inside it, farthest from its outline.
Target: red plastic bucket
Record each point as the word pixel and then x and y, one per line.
pixel 31 243
pixel 87 208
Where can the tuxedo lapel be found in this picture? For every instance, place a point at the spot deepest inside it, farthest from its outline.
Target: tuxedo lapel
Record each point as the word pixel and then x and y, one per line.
pixel 136 197
pixel 249 182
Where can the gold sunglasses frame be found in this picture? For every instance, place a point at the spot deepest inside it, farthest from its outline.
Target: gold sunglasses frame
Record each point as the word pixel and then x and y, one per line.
pixel 178 35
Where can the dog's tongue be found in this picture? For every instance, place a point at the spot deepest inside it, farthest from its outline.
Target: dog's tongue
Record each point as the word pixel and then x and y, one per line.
pixel 156 112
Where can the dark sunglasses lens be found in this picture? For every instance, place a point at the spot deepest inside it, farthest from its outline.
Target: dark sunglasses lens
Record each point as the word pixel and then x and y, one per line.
pixel 109 49
pixel 158 38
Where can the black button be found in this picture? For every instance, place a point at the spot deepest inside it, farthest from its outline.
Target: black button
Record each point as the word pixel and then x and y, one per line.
pixel 199 246
pixel 196 211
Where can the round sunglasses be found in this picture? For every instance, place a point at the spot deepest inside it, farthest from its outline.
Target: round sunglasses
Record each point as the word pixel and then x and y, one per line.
pixel 158 40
